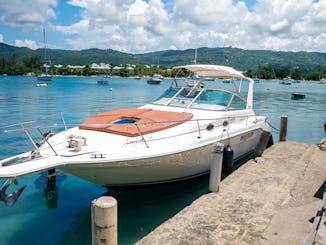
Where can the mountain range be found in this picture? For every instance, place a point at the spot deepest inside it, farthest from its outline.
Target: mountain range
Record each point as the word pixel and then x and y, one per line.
pixel 240 59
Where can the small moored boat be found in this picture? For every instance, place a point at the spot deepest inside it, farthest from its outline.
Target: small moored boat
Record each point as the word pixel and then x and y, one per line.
pixel 287 81
pixel 155 79
pixel 102 82
pixel 297 96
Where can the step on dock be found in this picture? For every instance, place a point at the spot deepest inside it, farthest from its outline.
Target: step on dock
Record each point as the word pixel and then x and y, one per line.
pixel 279 201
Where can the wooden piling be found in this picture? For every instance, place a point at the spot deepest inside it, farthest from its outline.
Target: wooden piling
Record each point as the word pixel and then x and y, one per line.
pixel 283 127
pixel 216 167
pixel 262 144
pixel 104 221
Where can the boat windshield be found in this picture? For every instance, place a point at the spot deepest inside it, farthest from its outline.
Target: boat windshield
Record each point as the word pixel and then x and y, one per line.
pixel 201 98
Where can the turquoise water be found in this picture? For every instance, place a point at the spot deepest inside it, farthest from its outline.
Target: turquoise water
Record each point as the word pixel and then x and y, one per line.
pixel 60 213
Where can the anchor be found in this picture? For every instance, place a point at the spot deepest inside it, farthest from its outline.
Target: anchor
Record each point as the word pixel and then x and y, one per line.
pixel 10 199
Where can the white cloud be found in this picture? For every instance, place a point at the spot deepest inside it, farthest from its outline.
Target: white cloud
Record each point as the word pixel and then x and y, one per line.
pixel 26 14
pixel 26 43
pixel 210 13
pixel 1 38
pixel 139 26
pixel 145 26
pixel 286 25
pixel 278 16
pixel 80 3
pixel 314 22
pixel 137 8
pixel 280 26
pixel 76 28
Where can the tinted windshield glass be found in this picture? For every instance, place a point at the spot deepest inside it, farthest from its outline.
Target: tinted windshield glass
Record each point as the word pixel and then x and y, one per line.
pixel 202 98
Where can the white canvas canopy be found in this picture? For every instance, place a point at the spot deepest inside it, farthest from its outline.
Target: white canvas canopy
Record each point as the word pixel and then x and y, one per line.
pixel 218 71
pixel 214 71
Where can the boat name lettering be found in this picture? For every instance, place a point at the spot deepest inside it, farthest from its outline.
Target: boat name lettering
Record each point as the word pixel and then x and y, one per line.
pixel 135 141
pixel 246 136
pixel 232 119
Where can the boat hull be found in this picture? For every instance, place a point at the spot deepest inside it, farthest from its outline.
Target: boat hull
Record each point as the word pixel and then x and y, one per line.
pixel 297 96
pixel 161 169
pixel 153 81
pixel 45 78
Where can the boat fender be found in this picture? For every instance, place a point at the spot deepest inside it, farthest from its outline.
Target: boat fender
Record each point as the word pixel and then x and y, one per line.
pixel 228 159
pixel 270 141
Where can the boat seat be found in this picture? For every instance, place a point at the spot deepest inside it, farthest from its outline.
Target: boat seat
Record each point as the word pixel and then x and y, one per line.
pixel 133 122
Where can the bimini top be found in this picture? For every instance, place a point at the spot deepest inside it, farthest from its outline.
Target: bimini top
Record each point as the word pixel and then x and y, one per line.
pixel 215 71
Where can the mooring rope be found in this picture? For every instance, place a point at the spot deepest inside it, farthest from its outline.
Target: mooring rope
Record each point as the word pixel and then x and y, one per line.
pixel 273 127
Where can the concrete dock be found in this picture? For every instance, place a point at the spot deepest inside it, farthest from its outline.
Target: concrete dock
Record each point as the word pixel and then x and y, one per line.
pixel 279 201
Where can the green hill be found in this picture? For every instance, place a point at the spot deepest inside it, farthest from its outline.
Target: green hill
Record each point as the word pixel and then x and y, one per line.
pixel 240 59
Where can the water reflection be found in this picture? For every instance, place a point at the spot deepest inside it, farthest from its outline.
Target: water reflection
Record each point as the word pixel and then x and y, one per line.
pixel 51 190
pixel 140 210
pixel 48 181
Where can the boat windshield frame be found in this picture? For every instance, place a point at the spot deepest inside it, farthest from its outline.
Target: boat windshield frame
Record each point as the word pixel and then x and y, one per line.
pixel 202 98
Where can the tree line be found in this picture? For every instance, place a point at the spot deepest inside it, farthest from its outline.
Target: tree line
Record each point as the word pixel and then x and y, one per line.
pixel 270 72
pixel 10 65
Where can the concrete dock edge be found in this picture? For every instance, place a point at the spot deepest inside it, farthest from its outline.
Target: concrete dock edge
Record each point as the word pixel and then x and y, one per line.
pixel 274 202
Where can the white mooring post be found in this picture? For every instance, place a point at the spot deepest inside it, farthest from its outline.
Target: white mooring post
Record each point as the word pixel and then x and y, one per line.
pixel 105 221
pixel 216 167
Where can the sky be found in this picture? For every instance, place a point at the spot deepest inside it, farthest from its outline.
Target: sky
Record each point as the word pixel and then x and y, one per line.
pixel 142 26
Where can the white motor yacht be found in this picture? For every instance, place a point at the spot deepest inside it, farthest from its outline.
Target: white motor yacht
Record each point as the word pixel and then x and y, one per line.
pixel 167 140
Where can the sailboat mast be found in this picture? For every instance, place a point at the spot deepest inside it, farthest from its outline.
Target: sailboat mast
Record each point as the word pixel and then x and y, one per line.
pixel 45 76
pixel 44 45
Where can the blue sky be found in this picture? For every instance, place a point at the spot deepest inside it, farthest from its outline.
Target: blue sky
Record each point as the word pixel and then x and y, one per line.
pixel 139 26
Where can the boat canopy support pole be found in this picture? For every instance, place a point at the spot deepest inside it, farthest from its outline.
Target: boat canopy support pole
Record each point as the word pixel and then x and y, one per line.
pixel 29 136
pixel 140 134
pixel 174 96
pixel 197 85
pixel 201 91
pixel 46 140
pixel 63 120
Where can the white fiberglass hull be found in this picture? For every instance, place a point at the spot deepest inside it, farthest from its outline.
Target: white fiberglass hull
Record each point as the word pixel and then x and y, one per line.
pixel 173 154
pixel 161 169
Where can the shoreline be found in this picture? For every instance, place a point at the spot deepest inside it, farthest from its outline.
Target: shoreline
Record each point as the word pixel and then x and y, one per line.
pixel 144 77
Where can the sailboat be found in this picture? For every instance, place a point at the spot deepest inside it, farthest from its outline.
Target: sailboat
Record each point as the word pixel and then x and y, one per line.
pixel 45 76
